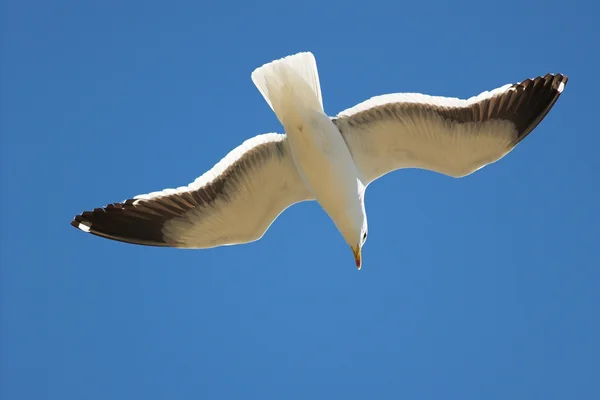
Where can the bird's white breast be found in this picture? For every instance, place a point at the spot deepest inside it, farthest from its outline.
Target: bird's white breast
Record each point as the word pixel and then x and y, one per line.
pixel 325 164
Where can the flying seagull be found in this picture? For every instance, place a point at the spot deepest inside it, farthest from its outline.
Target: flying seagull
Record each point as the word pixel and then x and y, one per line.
pixel 330 160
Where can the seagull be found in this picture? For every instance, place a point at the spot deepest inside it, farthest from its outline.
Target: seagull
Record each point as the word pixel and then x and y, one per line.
pixel 328 159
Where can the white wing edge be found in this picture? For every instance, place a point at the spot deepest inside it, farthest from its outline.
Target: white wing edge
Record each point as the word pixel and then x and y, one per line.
pixel 218 168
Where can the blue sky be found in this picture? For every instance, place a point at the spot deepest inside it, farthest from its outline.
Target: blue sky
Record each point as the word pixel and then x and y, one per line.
pixel 479 288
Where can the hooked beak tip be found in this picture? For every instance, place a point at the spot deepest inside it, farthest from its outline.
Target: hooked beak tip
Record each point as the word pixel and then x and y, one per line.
pixel 357 257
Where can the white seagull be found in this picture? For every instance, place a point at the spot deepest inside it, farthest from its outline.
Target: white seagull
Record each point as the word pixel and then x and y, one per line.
pixel 330 160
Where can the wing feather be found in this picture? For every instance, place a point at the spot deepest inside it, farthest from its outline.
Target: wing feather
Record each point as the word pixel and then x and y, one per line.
pixel 234 202
pixel 451 136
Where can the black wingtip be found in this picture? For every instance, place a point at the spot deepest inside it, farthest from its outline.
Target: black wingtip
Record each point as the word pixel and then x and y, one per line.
pixel 537 96
pixel 123 222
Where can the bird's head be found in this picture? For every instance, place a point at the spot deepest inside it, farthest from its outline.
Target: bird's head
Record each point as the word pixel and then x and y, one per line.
pixel 356 236
pixel 352 224
pixel 357 248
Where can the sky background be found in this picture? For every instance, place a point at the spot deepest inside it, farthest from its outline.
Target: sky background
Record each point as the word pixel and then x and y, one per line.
pixel 479 288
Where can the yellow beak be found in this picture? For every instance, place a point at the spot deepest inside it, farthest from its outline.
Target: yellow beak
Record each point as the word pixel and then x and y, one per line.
pixel 357 256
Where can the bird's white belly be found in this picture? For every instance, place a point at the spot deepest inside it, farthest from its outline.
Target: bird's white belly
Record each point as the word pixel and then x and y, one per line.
pixel 325 164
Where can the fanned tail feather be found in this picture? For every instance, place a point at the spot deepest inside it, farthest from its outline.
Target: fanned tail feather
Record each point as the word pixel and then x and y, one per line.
pixel 291 87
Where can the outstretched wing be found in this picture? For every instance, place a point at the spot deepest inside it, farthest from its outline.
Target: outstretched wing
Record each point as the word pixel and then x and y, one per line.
pixel 447 135
pixel 235 202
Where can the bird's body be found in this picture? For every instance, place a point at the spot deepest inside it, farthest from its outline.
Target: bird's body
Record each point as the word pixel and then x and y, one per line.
pixel 327 169
pixel 331 160
pixel 291 87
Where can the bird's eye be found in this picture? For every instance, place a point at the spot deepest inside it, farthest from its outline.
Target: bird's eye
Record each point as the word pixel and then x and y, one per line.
pixel 365 237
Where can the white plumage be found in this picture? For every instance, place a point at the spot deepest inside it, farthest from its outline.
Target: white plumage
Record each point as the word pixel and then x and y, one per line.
pixel 331 160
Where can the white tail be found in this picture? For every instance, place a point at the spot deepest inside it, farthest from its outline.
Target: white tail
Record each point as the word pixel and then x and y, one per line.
pixel 291 87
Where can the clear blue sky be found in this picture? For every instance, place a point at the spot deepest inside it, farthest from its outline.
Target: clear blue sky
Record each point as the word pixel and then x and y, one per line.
pixel 479 288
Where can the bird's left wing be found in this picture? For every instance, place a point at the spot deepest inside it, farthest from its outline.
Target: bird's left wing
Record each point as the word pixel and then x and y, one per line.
pixel 447 135
pixel 235 202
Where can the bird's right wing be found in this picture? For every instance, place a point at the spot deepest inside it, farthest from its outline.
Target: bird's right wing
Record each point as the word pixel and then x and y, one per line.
pixel 451 136
pixel 235 202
